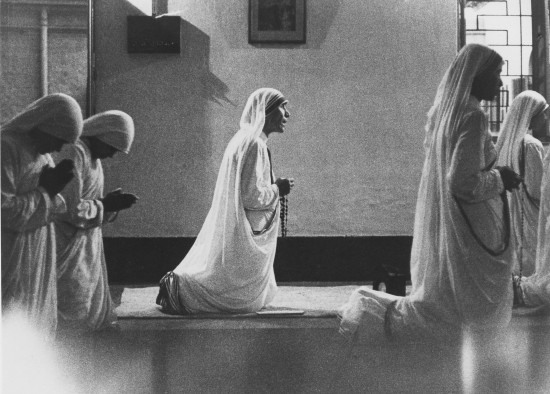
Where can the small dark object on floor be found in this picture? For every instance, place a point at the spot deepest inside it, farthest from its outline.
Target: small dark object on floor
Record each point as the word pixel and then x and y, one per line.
pixel 394 279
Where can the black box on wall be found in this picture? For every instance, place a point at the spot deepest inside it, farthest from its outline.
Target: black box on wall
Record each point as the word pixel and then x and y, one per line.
pixel 148 34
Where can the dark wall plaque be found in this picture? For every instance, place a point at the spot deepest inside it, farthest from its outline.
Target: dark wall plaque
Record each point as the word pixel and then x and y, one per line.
pixel 147 34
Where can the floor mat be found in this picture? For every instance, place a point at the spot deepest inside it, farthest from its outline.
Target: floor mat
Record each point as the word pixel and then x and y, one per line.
pixel 314 301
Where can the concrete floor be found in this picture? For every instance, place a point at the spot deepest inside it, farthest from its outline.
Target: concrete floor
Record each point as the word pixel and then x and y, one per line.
pixel 294 355
pixel 274 355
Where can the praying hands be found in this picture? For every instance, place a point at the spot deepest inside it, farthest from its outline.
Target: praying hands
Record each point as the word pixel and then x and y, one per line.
pixel 117 201
pixel 285 185
pixel 54 179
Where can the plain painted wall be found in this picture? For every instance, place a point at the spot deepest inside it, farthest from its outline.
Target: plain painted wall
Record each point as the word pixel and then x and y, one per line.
pixel 359 91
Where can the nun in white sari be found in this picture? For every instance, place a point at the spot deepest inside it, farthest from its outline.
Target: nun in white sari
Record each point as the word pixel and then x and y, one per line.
pixel 229 268
pixel 534 291
pixel 84 301
pixel 460 264
pixel 518 149
pixel 30 201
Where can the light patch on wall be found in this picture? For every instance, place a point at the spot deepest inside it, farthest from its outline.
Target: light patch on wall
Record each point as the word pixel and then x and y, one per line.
pixel 145 6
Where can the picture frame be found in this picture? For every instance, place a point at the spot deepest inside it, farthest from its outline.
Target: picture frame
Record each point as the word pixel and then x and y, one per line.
pixel 277 21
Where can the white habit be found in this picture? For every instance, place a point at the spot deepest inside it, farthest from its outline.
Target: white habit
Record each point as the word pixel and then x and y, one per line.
pixel 524 154
pixel 29 280
pixel 84 300
pixel 230 266
pixel 460 265
pixel 536 288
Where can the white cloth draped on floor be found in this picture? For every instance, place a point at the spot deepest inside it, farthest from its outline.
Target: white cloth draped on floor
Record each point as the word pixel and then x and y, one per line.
pixel 536 288
pixel 460 265
pixel 229 269
pixel 84 301
pixel 29 280
pixel 524 154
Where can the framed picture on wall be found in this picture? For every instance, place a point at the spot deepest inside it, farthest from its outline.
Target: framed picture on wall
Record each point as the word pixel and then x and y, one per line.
pixel 277 21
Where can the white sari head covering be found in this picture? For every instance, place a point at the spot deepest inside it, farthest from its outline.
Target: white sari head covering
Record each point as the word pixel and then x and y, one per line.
pixel 115 128
pixel 524 108
pixel 252 122
pixel 455 88
pixel 57 114
pixel 229 268
pixel 259 104
pixel 275 99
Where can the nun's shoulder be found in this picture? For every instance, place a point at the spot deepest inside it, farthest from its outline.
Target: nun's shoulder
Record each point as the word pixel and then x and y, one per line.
pixel 533 142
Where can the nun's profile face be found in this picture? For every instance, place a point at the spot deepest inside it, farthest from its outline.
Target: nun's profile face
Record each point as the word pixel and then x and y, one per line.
pixel 538 123
pixel 276 120
pixel 486 86
pixel 46 143
pixel 101 150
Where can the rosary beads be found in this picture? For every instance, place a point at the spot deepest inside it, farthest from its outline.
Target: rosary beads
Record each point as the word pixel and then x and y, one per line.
pixel 284 215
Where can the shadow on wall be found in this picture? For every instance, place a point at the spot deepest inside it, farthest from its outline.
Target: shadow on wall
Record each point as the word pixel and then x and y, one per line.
pixel 195 46
pixel 190 66
pixel 169 97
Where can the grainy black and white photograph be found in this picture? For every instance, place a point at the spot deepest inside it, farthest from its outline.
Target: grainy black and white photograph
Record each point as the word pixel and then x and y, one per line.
pixel 275 196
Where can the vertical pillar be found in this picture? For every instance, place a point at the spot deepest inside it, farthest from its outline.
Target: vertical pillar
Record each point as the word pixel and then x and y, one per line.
pixel 539 55
pixel 461 34
pixel 546 16
pixel 44 51
pixel 90 85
